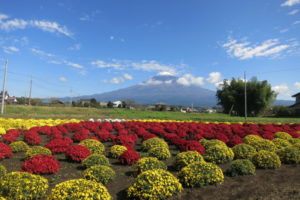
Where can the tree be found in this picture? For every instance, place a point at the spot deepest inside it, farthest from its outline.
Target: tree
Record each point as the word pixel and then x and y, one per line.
pixel 232 96
pixel 110 104
pixel 93 102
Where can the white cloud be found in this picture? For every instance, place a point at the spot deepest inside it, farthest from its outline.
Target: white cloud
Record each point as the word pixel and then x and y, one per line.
pixel 10 49
pixel 63 79
pixel 297 85
pixel 244 50
pixel 214 77
pixel 128 76
pixel 56 62
pixel 296 22
pixel 85 17
pixel 75 47
pixel 41 53
pixel 290 2
pixel 282 90
pixel 102 64
pixel 293 12
pixel 13 24
pixel 115 80
pixel 75 65
pixel 284 30
pixel 164 74
pixel 111 37
pixel 189 79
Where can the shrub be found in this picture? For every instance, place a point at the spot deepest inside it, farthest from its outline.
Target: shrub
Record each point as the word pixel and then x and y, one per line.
pixel 117 150
pixel 58 145
pixel 149 163
pixel 185 158
pixel 19 146
pixel 79 189
pixel 99 173
pixel 95 159
pixel 41 164
pixel 5 151
pixel 77 153
pixel 192 145
pixel 289 155
pixel 241 167
pixel 297 146
pixel 2 171
pixel 161 153
pixel 201 174
pixel 32 137
pixel 281 143
pixel 23 185
pixel 283 135
pixel 294 141
pixel 208 143
pixel 154 185
pixel 80 135
pixel 129 157
pixel 153 142
pixel 261 144
pixel 243 151
pixel 266 160
pixel 95 146
pixel 37 150
pixel 219 154
pixel 250 139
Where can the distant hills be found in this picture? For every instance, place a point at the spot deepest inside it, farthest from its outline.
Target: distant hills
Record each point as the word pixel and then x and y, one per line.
pixel 164 89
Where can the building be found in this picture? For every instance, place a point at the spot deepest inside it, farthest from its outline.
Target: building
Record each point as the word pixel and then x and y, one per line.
pixel 8 99
pixel 297 103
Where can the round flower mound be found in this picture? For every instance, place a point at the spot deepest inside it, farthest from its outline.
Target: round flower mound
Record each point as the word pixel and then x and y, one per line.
pixel 188 157
pixel 79 189
pixel 37 150
pixel 77 153
pixel 266 160
pixel 5 151
pixel 94 146
pixel 264 144
pixel 250 139
pixel 281 143
pixel 58 145
pixel 2 171
pixel 154 185
pixel 208 143
pixel 149 163
pixel 241 167
pixel 243 151
pixel 19 146
pixel 117 150
pixel 41 164
pixel 23 185
pixel 95 159
pixel 297 146
pixel 283 135
pixel 129 157
pixel 154 142
pixel 219 154
pixel 161 153
pixel 99 173
pixel 201 174
pixel 289 155
pixel 2 198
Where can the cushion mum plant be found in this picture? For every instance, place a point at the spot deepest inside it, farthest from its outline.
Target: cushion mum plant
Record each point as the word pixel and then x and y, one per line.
pixel 37 150
pixel 283 135
pixel 129 157
pixel 154 142
pixel 243 151
pixel 19 146
pixel 289 155
pixel 185 158
pixel 23 185
pixel 201 174
pixel 41 164
pixel 162 153
pixel 117 150
pixel 2 171
pixel 266 160
pixel 77 153
pixel 241 167
pixel 5 151
pixel 79 189
pixel 99 173
pixel 149 163
pixel 154 185
pixel 219 154
pixel 95 146
pixel 95 159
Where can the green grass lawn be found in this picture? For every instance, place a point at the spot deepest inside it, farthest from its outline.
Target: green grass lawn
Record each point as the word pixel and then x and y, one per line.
pixel 16 111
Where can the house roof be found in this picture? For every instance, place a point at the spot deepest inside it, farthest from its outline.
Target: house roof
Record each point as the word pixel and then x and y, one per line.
pixel 296 94
pixel 294 105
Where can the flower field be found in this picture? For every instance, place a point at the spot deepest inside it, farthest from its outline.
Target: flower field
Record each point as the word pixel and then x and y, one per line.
pixel 145 159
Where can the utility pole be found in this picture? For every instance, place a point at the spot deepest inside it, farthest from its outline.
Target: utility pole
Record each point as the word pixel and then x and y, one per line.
pixel 4 85
pixel 30 91
pixel 245 81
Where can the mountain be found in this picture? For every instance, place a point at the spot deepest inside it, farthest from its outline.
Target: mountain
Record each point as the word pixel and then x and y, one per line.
pixel 159 89
pixel 283 102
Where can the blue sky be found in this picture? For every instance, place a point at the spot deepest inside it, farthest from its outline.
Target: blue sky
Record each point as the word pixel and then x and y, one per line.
pixel 96 46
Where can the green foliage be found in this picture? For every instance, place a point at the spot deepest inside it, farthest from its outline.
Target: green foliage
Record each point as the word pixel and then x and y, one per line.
pixel 19 146
pixel 289 155
pixel 95 159
pixel 94 146
pixel 154 142
pixel 259 95
pixel 243 151
pixel 99 173
pixel 154 185
pixel 79 189
pixel 201 174
pixel 283 135
pixel 117 150
pixel 2 171
pixel 241 167
pixel 23 185
pixel 208 143
pixel 219 154
pixel 188 157
pixel 282 111
pixel 281 143
pixel 37 150
pixel 266 160
pixel 149 163
pixel 162 153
